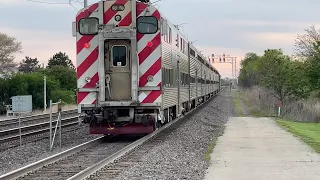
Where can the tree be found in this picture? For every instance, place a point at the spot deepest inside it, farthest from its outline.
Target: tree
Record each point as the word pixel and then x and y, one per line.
pixel 274 69
pixel 312 70
pixel 29 65
pixel 8 47
pixel 60 59
pixel 30 84
pixel 249 75
pixel 299 83
pixel 307 45
pixel 67 77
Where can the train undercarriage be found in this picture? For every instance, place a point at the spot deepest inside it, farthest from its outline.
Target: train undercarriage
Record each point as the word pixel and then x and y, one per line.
pixel 135 120
pixel 123 120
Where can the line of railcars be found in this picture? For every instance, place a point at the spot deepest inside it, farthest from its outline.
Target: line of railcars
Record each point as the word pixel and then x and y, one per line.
pixel 136 70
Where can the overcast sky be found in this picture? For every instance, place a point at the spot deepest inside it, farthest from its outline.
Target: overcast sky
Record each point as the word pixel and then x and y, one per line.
pixel 233 27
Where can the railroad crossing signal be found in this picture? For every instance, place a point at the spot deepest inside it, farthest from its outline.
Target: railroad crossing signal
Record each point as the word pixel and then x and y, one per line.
pixel 226 59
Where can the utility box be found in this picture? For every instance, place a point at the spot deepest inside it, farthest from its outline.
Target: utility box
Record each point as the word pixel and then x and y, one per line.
pixel 22 103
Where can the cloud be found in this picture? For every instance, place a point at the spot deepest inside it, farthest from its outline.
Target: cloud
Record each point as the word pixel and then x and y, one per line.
pixel 42 44
pixel 9 1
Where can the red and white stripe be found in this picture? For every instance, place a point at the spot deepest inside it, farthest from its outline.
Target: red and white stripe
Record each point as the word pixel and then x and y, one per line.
pixel 149 58
pixel 109 14
pixel 87 58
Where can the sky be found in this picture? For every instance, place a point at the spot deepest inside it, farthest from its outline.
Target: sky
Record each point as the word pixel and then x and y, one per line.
pixel 233 27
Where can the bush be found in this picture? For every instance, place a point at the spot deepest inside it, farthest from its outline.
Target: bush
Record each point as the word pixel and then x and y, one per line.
pixel 67 97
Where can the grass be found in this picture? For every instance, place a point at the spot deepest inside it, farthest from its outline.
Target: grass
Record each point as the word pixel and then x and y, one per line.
pixel 308 132
pixel 210 149
pixel 237 99
pixel 252 107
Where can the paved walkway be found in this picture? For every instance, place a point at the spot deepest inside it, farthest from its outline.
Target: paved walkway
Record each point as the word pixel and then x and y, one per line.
pixel 258 149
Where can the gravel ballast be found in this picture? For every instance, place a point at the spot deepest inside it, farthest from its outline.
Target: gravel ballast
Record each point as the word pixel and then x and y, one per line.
pixel 20 156
pixel 182 155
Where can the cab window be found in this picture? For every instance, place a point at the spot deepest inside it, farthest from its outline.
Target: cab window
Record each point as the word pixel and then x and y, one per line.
pixel 147 24
pixel 119 56
pixel 88 26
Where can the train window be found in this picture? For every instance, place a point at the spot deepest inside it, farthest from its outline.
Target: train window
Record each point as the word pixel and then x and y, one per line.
pixel 170 36
pixel 163 76
pixel 147 24
pixel 177 40
pixel 169 77
pixel 172 77
pixel 88 26
pixel 192 52
pixel 119 56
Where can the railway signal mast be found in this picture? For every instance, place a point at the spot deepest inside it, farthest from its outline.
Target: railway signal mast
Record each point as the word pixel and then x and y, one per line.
pixel 226 59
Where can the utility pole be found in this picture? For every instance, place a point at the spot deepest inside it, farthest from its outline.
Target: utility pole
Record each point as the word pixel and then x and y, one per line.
pixel 85 2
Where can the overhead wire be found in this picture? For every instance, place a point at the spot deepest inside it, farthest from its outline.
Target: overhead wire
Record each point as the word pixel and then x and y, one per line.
pixel 56 3
pixel 44 2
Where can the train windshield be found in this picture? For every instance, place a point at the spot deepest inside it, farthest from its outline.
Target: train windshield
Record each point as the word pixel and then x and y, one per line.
pixel 88 26
pixel 147 24
pixel 119 56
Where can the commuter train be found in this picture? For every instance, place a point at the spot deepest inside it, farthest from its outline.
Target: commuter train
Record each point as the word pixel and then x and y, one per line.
pixel 136 71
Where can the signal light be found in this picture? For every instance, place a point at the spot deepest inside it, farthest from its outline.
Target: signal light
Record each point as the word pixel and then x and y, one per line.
pixel 86 45
pixel 150 44
pixel 220 59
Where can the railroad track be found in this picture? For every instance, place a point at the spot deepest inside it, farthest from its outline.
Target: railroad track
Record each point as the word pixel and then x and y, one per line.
pixel 83 161
pixel 11 138
pixel 34 119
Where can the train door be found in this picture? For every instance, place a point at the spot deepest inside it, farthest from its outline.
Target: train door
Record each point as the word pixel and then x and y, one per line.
pixel 118 66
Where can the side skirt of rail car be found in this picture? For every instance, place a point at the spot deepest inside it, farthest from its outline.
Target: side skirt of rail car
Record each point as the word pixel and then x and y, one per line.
pixel 136 128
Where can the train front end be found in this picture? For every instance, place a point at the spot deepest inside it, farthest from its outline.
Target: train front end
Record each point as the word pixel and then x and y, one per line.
pixel 119 66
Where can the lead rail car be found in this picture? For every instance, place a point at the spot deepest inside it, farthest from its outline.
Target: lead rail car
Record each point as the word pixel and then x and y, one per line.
pixel 136 71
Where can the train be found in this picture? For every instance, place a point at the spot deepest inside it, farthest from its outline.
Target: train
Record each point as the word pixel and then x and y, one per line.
pixel 135 70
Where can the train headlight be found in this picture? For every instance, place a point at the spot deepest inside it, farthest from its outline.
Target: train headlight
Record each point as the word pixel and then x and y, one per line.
pixel 88 80
pixel 117 18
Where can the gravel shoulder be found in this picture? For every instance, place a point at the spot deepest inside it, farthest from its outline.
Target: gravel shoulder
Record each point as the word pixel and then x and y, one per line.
pixel 182 155
pixel 20 156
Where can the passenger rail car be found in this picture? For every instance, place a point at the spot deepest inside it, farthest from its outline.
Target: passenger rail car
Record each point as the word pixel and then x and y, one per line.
pixel 136 71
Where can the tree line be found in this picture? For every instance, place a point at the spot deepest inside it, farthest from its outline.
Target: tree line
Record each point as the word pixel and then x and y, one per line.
pixel 287 77
pixel 61 78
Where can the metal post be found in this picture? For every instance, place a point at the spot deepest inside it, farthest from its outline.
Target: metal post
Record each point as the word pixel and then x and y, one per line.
pixel 85 2
pixel 59 110
pixel 19 111
pixel 50 123
pixel 45 94
pixel 20 129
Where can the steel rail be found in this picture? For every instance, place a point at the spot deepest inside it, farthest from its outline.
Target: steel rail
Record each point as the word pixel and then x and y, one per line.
pixel 34 126
pixel 36 165
pixel 64 123
pixel 15 120
pixel 86 173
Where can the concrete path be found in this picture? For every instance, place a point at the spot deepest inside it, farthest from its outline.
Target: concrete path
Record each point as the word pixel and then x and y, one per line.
pixel 258 149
